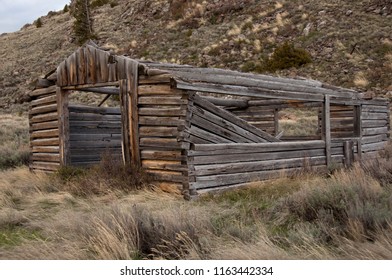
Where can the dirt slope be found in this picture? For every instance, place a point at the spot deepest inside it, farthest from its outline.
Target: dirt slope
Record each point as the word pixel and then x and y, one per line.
pixel 350 41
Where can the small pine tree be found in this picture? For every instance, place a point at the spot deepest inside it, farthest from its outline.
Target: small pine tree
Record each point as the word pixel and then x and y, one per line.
pixel 66 9
pixel 38 23
pixel 83 25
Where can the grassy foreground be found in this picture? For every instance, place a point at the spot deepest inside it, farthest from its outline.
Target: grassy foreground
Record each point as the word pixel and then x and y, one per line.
pixel 110 212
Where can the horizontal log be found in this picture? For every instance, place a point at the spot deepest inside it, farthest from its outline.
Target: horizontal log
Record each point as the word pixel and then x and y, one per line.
pixel 45 133
pixel 208 136
pixel 93 117
pixel 45 142
pixel 43 109
pixel 374 139
pixel 160 121
pixel 375 109
pixel 162 155
pixel 45 157
pixel 212 149
pixel 88 85
pixel 44 125
pixel 374 131
pixel 373 147
pixel 92 131
pixel 151 131
pixel 94 137
pixel 162 100
pixel 51 166
pixel 227 102
pixel 156 79
pixel 45 149
pixel 164 165
pixel 44 118
pixel 197 140
pixel 44 101
pixel 43 91
pixel 167 176
pixel 95 144
pixel 102 90
pixel 229 168
pixel 94 110
pixel 374 116
pixel 374 123
pixel 167 112
pixel 158 89
pixel 269 118
pixel 95 124
pixel 299 138
pixel 168 143
pixel 230 179
pixel 93 157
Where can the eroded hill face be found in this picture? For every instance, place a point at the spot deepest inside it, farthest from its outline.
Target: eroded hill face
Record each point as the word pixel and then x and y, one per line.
pixel 350 43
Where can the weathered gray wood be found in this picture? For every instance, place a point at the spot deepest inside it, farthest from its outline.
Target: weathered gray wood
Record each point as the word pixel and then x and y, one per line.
pixel 45 157
pixel 327 127
pixel 373 147
pixel 45 133
pixel 348 151
pixel 51 166
pixel 46 149
pixel 207 136
pixel 43 91
pixel 159 121
pixel 374 131
pixel 158 89
pixel 167 143
pixel 227 102
pixel 95 124
pixel 63 130
pixel 95 144
pixel 95 110
pixel 374 123
pixel 151 131
pixel 93 117
pixel 45 142
pixel 90 86
pixel 44 118
pixel 374 139
pixel 51 99
pixel 44 125
pixel 374 116
pixel 161 100
pixel 43 109
pixel 233 119
pixel 166 111
pixel 94 137
pixel 102 90
pixel 156 79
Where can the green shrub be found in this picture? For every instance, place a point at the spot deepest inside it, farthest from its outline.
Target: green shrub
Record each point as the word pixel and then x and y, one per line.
pixel 83 24
pixel 66 9
pixel 99 3
pixel 287 56
pixel 38 23
pixel 12 156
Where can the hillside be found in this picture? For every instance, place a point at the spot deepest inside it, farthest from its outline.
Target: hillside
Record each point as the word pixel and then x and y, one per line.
pixel 350 43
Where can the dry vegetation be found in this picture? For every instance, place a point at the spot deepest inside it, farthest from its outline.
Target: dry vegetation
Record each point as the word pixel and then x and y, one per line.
pixel 110 212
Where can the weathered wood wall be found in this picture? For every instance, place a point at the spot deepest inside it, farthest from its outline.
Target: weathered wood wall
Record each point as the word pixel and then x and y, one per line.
pixel 219 166
pixel 162 110
pixel 44 130
pixel 94 131
pixel 375 128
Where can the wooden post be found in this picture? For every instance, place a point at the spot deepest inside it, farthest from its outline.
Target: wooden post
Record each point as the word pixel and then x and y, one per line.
pixel 133 111
pixel 348 151
pixel 126 149
pixel 327 129
pixel 276 122
pixel 63 119
pixel 358 129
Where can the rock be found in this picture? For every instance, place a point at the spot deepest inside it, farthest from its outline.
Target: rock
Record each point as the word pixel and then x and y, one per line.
pixel 377 11
pixel 307 29
pixel 322 13
pixel 349 13
pixel 345 71
pixel 321 24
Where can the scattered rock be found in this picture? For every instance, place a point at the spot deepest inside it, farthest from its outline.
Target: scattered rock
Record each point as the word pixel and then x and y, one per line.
pixel 349 13
pixel 307 29
pixel 322 13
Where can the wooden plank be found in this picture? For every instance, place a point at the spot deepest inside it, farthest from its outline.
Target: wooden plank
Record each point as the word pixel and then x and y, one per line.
pixel 167 176
pixel 84 130
pixel 210 137
pixel 232 118
pixel 43 91
pixel 374 123
pixel 151 131
pixel 45 133
pixel 246 91
pixel 212 128
pixel 44 125
pixel 82 66
pixel 90 63
pixel 95 110
pixel 102 90
pixel 348 152
pixel 63 120
pixel 94 117
pixel 200 116
pixel 43 109
pixel 95 144
pixel 373 147
pixel 374 116
pixel 156 79
pixel 374 131
pixel 374 139
pixel 133 110
pixel 51 99
pixel 161 100
pixel 94 137
pixel 245 157
pixel 126 144
pixel 45 149
pixel 168 143
pixel 327 127
pixel 235 148
pixel 44 118
pixel 159 121
pixel 162 155
pixel 89 86
pixel 103 58
pixel 229 168
pixel 163 165
pixel 72 69
pixel 375 109
pixel 158 89
pixel 51 166
pixel 45 142
pixel 95 124
pixel 166 111
pixel 45 157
